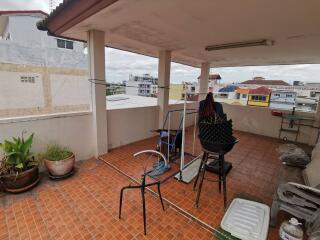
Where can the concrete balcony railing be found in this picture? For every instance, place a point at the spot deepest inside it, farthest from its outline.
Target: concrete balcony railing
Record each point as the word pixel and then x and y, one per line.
pixel 125 126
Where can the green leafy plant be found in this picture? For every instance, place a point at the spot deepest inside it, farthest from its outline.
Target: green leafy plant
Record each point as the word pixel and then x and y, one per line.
pixel 17 155
pixel 56 152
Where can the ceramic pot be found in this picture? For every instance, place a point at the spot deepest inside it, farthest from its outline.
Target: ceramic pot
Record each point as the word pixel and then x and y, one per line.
pixel 60 167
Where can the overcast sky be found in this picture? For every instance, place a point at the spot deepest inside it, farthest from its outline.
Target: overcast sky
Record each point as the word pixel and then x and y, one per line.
pixel 120 63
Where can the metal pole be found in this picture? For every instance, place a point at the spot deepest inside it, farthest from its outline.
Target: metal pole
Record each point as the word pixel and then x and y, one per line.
pixel 169 122
pixel 183 131
pixel 194 133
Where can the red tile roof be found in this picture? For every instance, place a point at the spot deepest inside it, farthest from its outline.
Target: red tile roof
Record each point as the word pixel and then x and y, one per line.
pixel 260 91
pixel 266 82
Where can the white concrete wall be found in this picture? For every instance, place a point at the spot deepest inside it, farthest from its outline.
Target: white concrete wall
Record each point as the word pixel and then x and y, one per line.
pixel 133 124
pixel 30 46
pixel 71 130
pixel 23 30
pixel 130 125
pixel 69 90
pixel 125 126
pixel 132 88
pixel 258 120
pixel 17 94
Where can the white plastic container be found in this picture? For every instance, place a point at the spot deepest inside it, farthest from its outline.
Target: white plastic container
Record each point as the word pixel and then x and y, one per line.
pixel 291 230
pixel 247 220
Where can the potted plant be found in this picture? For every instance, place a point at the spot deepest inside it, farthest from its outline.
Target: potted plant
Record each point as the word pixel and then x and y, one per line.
pixel 58 160
pixel 18 168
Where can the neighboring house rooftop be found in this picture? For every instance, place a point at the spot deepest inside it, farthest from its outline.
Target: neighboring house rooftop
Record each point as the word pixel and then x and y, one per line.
pixel 121 101
pixel 260 91
pixel 229 88
pixel 242 90
pixel 266 82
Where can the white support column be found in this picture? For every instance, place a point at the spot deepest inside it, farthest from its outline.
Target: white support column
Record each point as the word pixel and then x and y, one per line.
pixel 96 54
pixel 163 81
pixel 204 80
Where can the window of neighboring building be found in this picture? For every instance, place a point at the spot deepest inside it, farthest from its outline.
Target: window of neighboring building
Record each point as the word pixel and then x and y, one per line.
pixel 277 94
pixel 64 44
pixel 69 45
pixel 258 98
pixel 288 95
pixel 244 95
pixel 26 79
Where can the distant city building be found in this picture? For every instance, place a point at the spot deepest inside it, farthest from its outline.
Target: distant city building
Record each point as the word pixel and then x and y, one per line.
pixel 306 104
pixel 313 85
pixel 298 83
pixel 191 89
pixel 144 85
pixel 115 89
pixel 282 99
pixel 259 97
pixel 226 94
pixel 315 94
pixel 176 91
pixel 242 95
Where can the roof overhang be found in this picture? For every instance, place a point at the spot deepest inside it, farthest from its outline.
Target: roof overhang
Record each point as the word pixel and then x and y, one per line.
pixel 187 27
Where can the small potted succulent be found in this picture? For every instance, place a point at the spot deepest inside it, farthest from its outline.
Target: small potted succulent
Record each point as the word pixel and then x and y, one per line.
pixel 18 167
pixel 58 160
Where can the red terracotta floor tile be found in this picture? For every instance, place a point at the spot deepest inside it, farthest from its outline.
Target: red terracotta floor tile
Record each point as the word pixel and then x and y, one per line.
pixel 255 172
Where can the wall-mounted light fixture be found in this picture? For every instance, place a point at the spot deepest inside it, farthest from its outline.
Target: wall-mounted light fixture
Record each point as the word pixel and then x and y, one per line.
pixel 253 43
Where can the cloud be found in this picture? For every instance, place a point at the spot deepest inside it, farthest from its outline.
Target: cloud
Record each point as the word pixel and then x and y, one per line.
pixel 25 5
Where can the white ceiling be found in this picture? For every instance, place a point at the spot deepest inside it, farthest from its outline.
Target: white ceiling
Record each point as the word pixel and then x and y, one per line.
pixel 187 26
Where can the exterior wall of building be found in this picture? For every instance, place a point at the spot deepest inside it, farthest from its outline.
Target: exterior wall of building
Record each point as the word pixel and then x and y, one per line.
pixel 132 88
pixel 53 90
pixel 176 91
pixel 282 100
pixel 23 30
pixel 259 103
pixel 37 77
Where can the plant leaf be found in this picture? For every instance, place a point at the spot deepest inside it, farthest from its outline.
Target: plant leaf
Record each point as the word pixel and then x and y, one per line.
pixel 20 165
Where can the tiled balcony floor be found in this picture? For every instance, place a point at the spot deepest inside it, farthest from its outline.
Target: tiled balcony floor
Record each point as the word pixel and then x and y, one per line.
pixel 255 172
pixel 85 206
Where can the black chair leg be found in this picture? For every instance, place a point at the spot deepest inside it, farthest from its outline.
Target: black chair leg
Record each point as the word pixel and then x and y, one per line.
pixel 197 177
pixel 220 173
pixel 121 196
pixel 202 173
pixel 144 211
pixel 224 184
pixel 160 196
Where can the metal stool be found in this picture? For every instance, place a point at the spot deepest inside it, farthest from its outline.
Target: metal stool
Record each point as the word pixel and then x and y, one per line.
pixel 201 173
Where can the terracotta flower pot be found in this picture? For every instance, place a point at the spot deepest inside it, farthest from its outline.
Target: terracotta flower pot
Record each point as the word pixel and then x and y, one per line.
pixel 60 167
pixel 21 182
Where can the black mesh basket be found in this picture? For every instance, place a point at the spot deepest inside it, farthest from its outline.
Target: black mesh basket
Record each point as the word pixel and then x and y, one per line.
pixel 216 135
